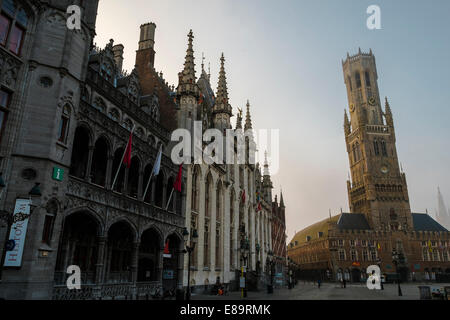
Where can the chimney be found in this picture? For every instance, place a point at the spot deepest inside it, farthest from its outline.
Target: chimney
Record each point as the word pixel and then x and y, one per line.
pixel 147 38
pixel 118 56
pixel 145 55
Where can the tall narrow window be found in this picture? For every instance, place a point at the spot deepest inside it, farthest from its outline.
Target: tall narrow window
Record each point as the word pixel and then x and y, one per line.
pixel 375 147
pixel 13 24
pixel 350 83
pixel 5 98
pixel 367 77
pixel 64 124
pixel 49 221
pixel 383 148
pixel 358 79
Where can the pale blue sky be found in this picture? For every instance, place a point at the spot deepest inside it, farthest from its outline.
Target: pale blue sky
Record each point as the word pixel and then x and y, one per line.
pixel 285 56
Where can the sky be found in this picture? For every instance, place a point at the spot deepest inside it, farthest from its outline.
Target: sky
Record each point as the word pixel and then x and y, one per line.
pixel 285 57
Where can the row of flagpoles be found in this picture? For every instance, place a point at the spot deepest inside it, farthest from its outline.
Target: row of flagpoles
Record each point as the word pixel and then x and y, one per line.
pixel 126 160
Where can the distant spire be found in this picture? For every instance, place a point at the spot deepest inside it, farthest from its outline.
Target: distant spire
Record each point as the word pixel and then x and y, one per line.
pixel 266 165
pixel 248 119
pixel 388 113
pixel 281 198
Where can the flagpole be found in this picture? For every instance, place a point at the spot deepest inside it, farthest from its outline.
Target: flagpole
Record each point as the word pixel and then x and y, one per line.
pixel 121 161
pixel 170 197
pixel 151 175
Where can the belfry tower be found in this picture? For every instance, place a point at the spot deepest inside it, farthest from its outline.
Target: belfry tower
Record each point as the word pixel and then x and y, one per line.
pixel 378 186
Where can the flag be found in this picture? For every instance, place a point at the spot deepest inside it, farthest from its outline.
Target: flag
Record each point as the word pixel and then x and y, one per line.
pixel 243 196
pixel 127 156
pixel 166 247
pixel 177 183
pixel 157 164
pixel 378 246
pixel 259 207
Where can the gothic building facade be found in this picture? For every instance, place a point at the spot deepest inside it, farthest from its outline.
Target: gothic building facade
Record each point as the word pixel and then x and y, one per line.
pixel 380 222
pixel 228 205
pixel 68 111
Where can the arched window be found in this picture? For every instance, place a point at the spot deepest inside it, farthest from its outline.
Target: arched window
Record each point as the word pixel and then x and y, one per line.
pixel 106 71
pixel 140 133
pixel 195 190
pixel 100 162
pixel 128 124
pixel 99 104
pixel 118 186
pixel 13 24
pixel 358 79
pixel 169 188
pixel 114 114
pixel 206 240
pixel 64 124
pixel 367 77
pixel 159 189
pixel 133 177
pixel 80 152
pixel 5 98
pixel 49 221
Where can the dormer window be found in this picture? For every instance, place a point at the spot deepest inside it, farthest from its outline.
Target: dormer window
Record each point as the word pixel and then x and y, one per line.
pixel 127 124
pixel 114 114
pixel 106 71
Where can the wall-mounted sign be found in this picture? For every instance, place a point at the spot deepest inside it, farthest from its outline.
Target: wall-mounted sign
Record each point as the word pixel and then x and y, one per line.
pixel 18 233
pixel 58 173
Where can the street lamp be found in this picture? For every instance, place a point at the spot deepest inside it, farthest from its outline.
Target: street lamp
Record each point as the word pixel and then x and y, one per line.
pixel 396 259
pixel 271 270
pixel 10 219
pixel 189 249
pixel 245 251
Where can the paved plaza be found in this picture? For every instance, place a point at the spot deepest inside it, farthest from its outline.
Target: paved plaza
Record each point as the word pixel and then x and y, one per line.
pixel 330 291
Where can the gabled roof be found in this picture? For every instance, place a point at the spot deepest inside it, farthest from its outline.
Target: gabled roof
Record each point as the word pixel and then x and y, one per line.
pixel 423 222
pixel 353 221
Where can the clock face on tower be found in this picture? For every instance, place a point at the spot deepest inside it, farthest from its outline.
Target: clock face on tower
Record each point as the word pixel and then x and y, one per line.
pixel 372 101
pixel 384 169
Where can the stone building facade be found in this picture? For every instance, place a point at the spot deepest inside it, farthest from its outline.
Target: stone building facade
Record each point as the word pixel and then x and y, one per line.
pixel 380 219
pixel 67 113
pixel 227 204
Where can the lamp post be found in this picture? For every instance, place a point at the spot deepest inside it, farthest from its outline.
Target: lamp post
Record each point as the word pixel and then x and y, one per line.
pixel 396 259
pixel 245 251
pixel 271 270
pixel 189 249
pixel 10 219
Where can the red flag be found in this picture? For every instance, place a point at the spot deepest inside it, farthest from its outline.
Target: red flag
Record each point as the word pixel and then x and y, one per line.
pixel 177 183
pixel 127 157
pixel 259 207
pixel 243 195
pixel 166 247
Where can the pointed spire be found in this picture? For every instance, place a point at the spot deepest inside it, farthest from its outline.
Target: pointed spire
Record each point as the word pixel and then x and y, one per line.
pixel 281 199
pixel 221 102
pixel 248 119
pixel 187 80
pixel 388 113
pixel 204 75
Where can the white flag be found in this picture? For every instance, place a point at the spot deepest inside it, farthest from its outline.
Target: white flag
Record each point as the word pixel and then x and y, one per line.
pixel 157 164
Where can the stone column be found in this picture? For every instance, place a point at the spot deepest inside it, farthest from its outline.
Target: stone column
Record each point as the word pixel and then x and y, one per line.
pixel 226 248
pixel 140 184
pixel 108 178
pixel 89 164
pixel 134 268
pixel 212 233
pixel 236 233
pixel 99 267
